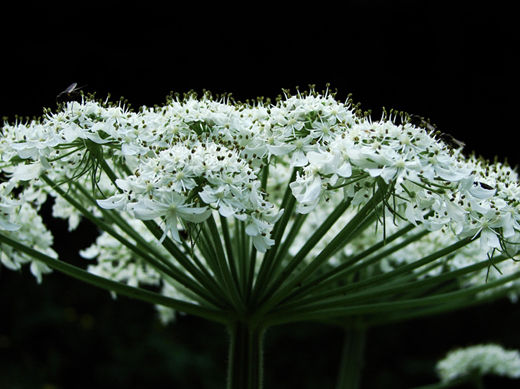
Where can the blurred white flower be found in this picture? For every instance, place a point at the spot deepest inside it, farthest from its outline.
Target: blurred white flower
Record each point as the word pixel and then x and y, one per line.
pixel 479 360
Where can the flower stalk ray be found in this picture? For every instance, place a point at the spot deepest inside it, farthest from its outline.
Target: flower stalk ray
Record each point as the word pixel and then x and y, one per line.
pixel 133 292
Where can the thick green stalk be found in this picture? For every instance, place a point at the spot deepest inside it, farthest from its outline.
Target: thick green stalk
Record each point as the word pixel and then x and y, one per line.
pixel 352 356
pixel 245 360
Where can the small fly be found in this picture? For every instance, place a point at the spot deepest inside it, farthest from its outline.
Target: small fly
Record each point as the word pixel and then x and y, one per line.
pixel 451 141
pixel 446 138
pixel 70 93
pixel 422 122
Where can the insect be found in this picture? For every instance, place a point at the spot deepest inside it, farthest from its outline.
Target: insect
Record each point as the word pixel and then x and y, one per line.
pixel 451 141
pixel 70 93
pixel 484 186
pixel 446 138
pixel 422 122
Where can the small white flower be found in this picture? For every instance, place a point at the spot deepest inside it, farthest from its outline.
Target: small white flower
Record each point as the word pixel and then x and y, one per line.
pixel 307 192
pixel 26 172
pixel 117 201
pixel 172 207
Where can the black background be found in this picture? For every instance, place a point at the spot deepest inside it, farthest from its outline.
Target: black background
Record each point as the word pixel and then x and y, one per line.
pixel 458 67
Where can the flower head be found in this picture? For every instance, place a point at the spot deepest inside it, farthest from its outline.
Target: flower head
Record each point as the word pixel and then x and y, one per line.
pixel 241 173
pixel 479 360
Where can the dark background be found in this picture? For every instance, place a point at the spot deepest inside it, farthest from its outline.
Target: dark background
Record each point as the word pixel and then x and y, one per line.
pixel 458 67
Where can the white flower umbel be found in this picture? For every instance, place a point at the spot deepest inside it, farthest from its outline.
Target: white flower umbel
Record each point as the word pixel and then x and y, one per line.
pixel 259 214
pixel 116 261
pixel 19 220
pixel 479 360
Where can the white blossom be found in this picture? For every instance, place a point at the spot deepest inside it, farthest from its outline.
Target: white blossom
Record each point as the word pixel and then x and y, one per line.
pixel 191 159
pixel 479 360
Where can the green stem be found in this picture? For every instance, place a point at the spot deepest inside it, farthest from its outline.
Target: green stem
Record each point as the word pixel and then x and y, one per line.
pixel 251 274
pixel 220 316
pixel 385 319
pixel 220 256
pixel 387 291
pixel 245 363
pixel 353 227
pixel 159 263
pixel 115 218
pixel 229 248
pixel 399 271
pixel 316 313
pixel 342 271
pixel 287 204
pixel 201 276
pixel 97 152
pixel 307 247
pixel 209 252
pixel 297 224
pixel 351 364
pixel 241 243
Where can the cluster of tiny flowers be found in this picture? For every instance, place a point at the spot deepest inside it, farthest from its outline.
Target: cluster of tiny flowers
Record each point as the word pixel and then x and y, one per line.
pixel 167 314
pixel 425 176
pixel 117 262
pixel 479 360
pixel 19 220
pixel 183 162
pixel 8 207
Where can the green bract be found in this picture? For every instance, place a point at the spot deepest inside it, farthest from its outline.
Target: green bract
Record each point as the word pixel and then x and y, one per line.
pixel 259 214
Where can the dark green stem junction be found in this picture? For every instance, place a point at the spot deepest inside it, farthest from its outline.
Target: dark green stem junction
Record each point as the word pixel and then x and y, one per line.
pixel 245 369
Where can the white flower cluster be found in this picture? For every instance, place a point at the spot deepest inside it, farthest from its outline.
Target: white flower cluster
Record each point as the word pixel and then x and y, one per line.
pixel 479 360
pixel 8 207
pixel 19 220
pixel 425 176
pixel 178 163
pixel 117 262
